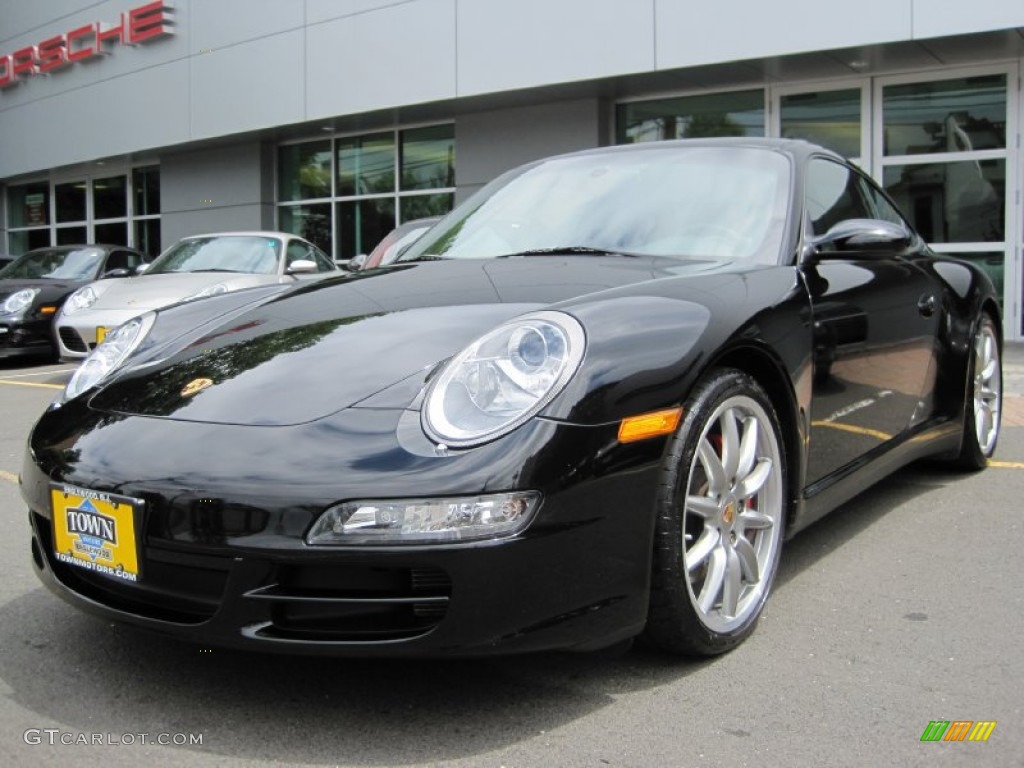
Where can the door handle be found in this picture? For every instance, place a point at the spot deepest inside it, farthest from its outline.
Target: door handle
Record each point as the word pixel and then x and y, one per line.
pixel 926 305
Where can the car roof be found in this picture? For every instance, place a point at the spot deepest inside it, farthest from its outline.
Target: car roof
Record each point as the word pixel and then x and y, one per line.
pixel 252 233
pixel 795 147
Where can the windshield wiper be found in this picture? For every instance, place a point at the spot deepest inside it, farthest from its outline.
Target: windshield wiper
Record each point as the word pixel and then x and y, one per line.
pixel 196 271
pixel 566 250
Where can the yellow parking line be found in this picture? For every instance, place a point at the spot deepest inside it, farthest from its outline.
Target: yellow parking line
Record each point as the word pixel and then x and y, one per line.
pixel 8 477
pixel 853 429
pixel 30 384
pixel 1006 464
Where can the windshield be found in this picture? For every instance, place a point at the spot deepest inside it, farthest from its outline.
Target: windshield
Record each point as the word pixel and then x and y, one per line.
pixel 227 253
pixel 681 202
pixel 56 264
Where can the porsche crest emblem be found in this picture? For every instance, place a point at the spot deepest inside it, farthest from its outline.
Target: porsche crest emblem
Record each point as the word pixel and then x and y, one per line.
pixel 195 386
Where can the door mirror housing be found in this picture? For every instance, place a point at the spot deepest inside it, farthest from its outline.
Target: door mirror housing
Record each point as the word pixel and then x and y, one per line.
pixel 301 266
pixel 859 236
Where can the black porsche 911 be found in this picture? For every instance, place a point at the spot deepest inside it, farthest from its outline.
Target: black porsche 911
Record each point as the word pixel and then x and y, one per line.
pixel 591 403
pixel 34 286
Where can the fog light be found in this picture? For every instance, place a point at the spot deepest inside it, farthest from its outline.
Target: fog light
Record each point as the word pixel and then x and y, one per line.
pixel 419 521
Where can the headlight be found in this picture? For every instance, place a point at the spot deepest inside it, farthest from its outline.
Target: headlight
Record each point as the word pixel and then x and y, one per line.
pixel 419 521
pixel 19 300
pixel 109 355
pixel 210 290
pixel 83 298
pixel 503 379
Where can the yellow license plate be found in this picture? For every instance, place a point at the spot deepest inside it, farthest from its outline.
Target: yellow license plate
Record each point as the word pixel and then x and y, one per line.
pixel 96 531
pixel 101 333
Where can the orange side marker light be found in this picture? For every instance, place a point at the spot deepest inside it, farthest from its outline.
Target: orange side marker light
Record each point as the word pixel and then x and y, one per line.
pixel 634 428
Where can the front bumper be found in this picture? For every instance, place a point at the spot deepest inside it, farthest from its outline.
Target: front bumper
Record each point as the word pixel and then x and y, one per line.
pixel 21 338
pixel 228 565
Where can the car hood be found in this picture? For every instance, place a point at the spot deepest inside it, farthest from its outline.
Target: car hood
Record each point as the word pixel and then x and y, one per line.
pixel 155 291
pixel 51 291
pixel 340 342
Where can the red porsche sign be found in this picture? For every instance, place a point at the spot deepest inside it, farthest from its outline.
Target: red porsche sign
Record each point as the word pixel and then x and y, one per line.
pixel 139 25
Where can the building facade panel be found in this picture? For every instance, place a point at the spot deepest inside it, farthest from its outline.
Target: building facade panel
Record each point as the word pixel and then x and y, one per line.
pixel 736 30
pixel 112 116
pixel 938 18
pixel 215 189
pixel 402 54
pixel 536 42
pixel 272 66
pixel 216 24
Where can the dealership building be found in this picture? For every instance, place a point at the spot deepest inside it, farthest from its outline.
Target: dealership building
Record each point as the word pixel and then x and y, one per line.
pixel 134 122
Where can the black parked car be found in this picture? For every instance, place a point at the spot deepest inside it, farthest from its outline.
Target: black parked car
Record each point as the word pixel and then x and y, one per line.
pixel 34 286
pixel 591 403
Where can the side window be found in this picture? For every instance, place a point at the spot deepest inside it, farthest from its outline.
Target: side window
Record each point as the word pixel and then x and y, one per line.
pixel 833 193
pixel 297 251
pixel 323 263
pixel 116 260
pixel 881 207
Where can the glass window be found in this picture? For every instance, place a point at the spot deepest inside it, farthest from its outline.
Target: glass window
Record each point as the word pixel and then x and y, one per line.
pixel 828 118
pixel 304 171
pixel 952 202
pixel 740 113
pixel 704 202
pixel 366 165
pixel 146 183
pixel 28 240
pixel 110 197
pixel 115 233
pixel 428 158
pixel 72 235
pixel 224 253
pixel 421 206
pixel 312 222
pixel 834 193
pixel 29 205
pixel 945 116
pixel 361 224
pixel 147 236
pixel 70 201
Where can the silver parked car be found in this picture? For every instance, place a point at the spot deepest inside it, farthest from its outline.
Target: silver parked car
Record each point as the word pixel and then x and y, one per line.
pixel 192 268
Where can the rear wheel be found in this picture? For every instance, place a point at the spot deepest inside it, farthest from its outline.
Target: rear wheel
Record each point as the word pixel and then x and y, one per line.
pixel 983 411
pixel 721 518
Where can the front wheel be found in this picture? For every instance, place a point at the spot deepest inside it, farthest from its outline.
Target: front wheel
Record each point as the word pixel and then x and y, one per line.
pixel 721 518
pixel 983 409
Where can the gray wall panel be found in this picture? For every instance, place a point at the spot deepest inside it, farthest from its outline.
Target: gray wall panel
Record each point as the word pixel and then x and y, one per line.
pixel 492 142
pixel 936 18
pixel 732 30
pixel 24 17
pixel 251 85
pixel 531 42
pixel 231 178
pixel 402 54
pixel 217 23
pixel 324 10
pixel 131 113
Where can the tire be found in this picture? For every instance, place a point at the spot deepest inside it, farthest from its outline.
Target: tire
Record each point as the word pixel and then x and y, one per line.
pixel 983 408
pixel 721 520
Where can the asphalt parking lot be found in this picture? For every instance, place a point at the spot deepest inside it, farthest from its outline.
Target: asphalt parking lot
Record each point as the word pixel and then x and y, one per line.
pixel 901 608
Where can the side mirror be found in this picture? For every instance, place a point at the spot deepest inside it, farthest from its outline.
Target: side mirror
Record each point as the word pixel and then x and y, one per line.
pixel 141 268
pixel 357 262
pixel 118 272
pixel 859 235
pixel 301 266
